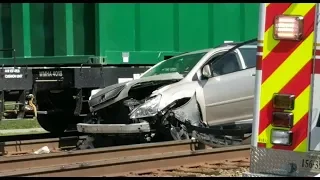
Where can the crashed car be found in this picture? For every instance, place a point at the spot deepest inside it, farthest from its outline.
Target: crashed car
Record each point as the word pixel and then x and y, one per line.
pixel 206 93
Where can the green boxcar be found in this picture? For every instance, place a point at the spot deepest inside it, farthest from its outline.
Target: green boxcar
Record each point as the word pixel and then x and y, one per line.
pixel 66 33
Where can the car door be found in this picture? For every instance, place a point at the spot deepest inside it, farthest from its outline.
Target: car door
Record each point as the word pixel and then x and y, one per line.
pixel 227 92
pixel 249 57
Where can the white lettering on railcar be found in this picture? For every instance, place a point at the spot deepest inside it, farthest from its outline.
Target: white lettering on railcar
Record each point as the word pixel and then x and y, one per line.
pixel 12 70
pixel 13 76
pixel 50 74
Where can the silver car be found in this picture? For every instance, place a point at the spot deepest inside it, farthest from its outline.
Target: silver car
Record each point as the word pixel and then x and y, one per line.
pixel 197 92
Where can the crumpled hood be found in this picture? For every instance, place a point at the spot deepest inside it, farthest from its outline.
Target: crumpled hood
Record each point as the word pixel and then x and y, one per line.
pixel 114 90
pixel 164 88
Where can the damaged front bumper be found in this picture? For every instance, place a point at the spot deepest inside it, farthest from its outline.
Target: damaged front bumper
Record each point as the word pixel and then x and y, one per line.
pixel 145 117
pixel 143 127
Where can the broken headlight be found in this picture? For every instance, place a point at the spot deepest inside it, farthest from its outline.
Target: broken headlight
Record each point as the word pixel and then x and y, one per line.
pixel 148 109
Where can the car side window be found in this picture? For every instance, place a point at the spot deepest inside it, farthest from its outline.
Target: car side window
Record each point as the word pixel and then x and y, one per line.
pixel 228 64
pixel 249 56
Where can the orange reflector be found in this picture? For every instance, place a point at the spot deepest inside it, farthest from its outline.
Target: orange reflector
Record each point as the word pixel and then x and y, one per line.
pixel 282 119
pixel 283 101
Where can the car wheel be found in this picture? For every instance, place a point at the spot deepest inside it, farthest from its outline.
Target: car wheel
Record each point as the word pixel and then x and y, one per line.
pixel 179 133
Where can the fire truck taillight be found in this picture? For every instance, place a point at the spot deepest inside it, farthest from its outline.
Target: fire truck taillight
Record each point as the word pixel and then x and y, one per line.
pixel 288 27
pixel 283 101
pixel 281 137
pixel 282 119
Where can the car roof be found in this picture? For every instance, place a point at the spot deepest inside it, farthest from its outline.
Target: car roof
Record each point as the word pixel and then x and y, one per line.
pixel 222 46
pixel 195 52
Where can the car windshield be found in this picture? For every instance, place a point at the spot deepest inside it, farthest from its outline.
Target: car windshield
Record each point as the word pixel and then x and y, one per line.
pixel 181 64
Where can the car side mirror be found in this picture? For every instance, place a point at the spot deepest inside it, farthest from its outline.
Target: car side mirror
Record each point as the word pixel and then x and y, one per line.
pixel 206 71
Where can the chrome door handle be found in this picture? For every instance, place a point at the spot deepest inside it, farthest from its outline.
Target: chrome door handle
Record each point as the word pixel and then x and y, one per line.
pixel 253 74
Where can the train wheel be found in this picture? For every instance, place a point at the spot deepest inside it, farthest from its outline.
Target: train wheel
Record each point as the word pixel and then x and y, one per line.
pixel 53 123
pixel 60 106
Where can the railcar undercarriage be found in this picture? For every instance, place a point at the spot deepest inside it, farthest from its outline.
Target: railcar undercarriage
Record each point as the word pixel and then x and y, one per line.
pixel 56 96
pixel 62 93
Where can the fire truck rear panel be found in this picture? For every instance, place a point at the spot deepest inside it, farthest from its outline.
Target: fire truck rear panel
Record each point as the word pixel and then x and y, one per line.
pixel 292 68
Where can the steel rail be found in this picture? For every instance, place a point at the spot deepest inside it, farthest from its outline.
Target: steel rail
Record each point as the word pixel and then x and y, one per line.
pixel 115 160
pixel 45 135
pixel 28 146
pixel 33 160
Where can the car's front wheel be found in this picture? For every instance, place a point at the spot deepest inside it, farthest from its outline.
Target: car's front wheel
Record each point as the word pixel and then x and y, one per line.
pixel 179 133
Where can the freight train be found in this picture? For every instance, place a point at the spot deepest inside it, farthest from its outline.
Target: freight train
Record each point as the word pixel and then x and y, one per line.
pixel 54 54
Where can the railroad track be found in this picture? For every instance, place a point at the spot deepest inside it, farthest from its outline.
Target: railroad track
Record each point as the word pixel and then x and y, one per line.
pixel 19 147
pixel 119 161
pixel 39 136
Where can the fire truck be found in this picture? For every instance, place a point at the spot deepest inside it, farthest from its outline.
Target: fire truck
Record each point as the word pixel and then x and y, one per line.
pixel 286 125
